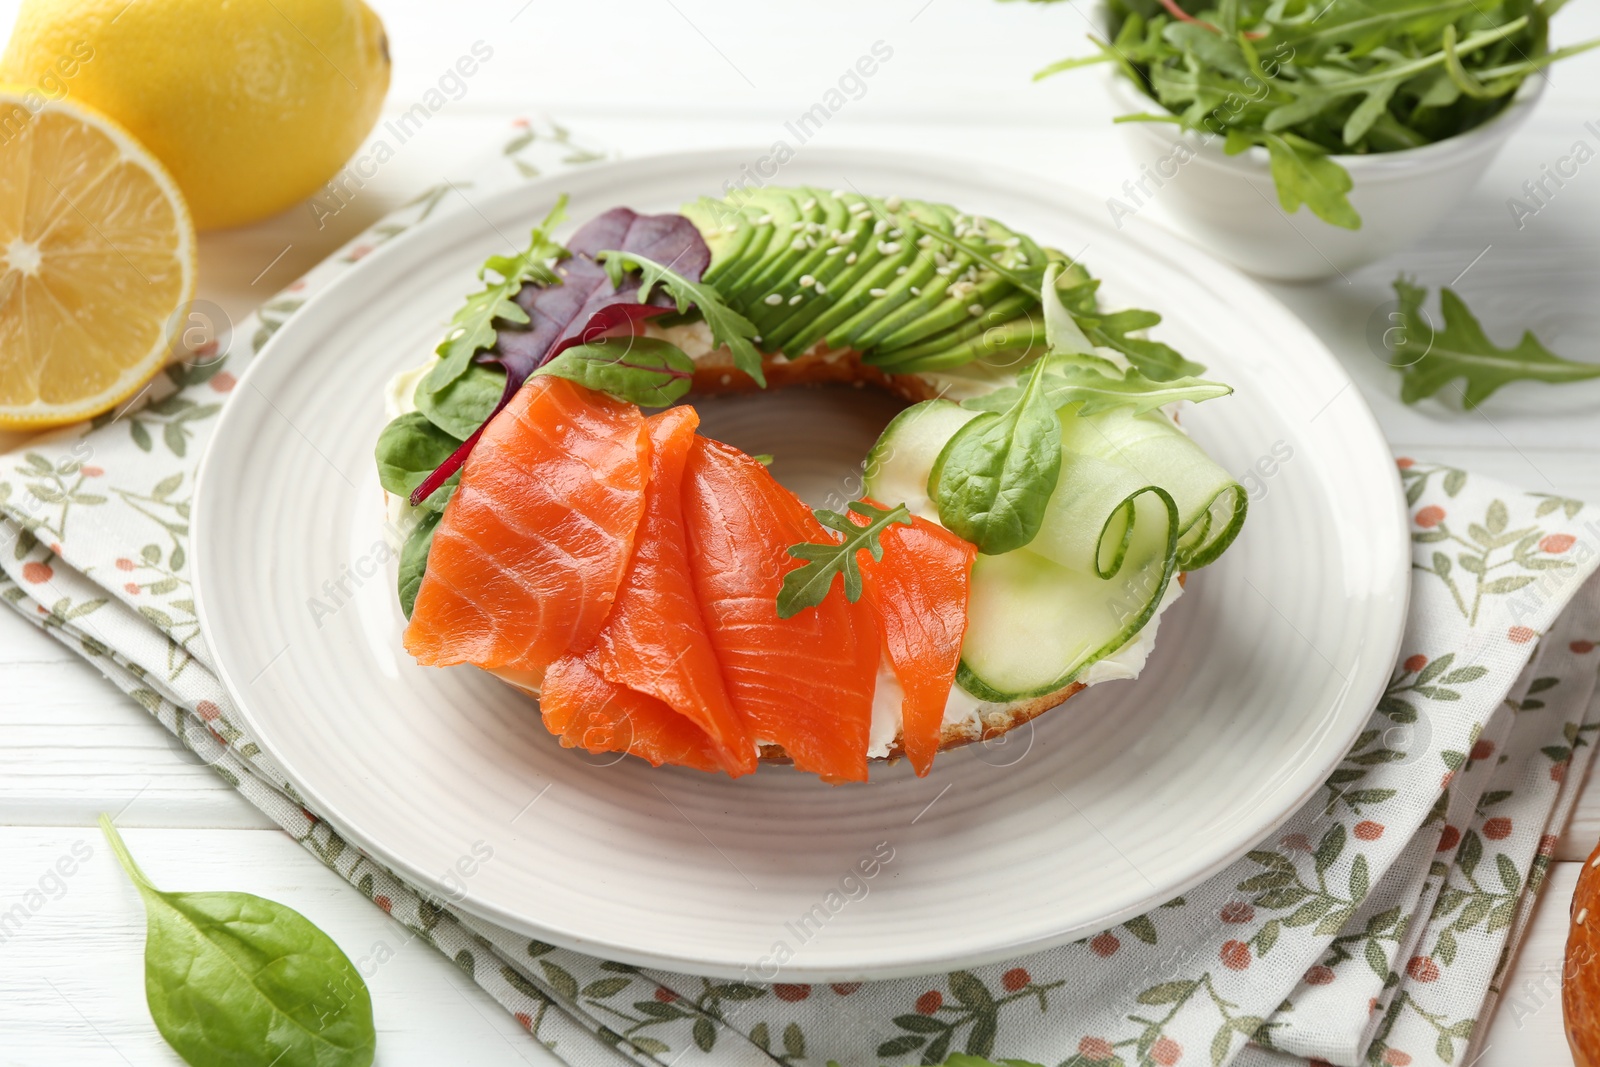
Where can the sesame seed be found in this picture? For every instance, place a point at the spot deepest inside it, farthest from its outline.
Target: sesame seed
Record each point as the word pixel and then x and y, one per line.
pixel 798 243
pixel 821 288
pixel 875 293
pixel 773 300
pixel 807 281
pixel 835 250
pixel 795 299
pixel 888 248
pixel 940 259
pixel 811 242
pixel 844 238
pixel 897 233
pixel 881 226
pixel 732 227
pixel 838 194
pixel 899 271
pixel 974 309
pixel 1582 915
pixel 893 203
pixel 860 207
pixel 814 227
pixel 797 226
pixel 943 272
pixel 726 379
pixel 1595 862
pixel 764 220
pixel 1012 243
pixel 915 291
pixel 850 259
pixel 810 203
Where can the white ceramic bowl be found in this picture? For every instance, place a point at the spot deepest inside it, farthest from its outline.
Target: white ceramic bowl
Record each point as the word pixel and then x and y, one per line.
pixel 1230 205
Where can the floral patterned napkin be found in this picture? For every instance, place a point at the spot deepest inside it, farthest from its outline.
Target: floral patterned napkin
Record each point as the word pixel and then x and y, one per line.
pixel 1372 929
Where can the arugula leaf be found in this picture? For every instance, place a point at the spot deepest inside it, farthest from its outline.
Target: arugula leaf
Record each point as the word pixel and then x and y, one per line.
pixel 640 370
pixel 409 449
pixel 993 479
pixel 234 978
pixel 807 586
pixel 1098 391
pixel 472 328
pixel 1305 175
pixel 1310 83
pixel 1429 359
pixel 414 558
pixel 728 327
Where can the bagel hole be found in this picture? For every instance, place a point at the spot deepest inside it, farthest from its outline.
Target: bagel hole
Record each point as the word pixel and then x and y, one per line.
pixel 817 435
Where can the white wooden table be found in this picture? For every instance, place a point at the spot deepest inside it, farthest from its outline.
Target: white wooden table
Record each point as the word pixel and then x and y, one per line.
pixel 654 75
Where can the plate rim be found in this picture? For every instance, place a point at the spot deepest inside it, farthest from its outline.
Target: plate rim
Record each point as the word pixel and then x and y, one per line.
pixel 1148 236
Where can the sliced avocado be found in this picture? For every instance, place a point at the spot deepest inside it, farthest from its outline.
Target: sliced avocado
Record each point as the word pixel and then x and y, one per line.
pixel 824 257
pixel 887 260
pixel 782 256
pixel 770 216
pixel 1012 341
pixel 899 288
pixel 860 245
pixel 724 229
pixel 938 309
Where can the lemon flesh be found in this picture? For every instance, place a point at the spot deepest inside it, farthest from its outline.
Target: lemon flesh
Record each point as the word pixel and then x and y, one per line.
pixel 96 257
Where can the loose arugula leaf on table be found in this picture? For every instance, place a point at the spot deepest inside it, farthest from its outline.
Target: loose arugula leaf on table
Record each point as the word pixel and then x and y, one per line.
pixel 728 327
pixel 640 370
pixel 581 305
pixel 807 586
pixel 233 978
pixel 1431 358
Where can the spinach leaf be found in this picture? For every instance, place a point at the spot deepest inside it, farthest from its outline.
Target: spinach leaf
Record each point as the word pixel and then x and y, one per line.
pixel 809 585
pixel 993 479
pixel 414 559
pixel 235 979
pixel 409 449
pixel 463 403
pixel 728 327
pixel 1432 358
pixel 641 370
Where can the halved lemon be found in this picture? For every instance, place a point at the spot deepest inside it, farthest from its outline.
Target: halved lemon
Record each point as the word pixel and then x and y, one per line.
pixel 97 259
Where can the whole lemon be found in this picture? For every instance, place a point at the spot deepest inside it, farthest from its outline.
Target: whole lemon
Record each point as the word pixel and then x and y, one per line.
pixel 251 104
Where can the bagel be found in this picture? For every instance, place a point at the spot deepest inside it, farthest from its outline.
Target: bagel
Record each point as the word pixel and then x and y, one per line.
pixel 1580 976
pixel 973 712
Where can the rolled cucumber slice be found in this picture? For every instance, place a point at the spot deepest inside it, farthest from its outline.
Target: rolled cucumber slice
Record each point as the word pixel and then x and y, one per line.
pixel 1094 576
pixel 1034 625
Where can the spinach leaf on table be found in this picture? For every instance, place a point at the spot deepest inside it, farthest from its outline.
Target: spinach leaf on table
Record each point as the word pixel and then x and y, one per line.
pixel 233 978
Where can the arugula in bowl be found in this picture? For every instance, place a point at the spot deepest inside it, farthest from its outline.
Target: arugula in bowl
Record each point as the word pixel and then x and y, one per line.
pixel 1309 80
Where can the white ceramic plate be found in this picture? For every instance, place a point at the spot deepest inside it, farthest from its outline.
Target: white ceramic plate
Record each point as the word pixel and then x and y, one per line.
pixel 1126 796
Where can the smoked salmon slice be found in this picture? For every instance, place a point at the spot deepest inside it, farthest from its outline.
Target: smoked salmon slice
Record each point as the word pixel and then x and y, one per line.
pixel 918 592
pixel 533 546
pixel 585 710
pixel 655 640
pixel 804 682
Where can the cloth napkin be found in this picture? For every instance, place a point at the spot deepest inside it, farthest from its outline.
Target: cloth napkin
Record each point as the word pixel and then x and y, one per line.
pixel 1374 928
